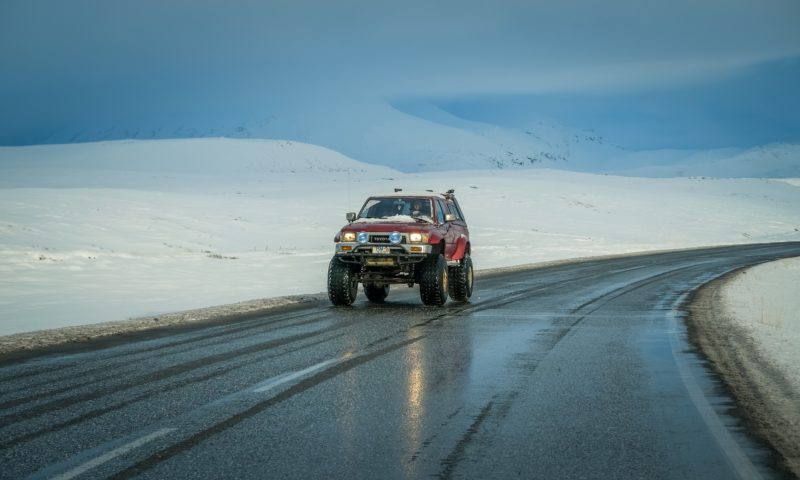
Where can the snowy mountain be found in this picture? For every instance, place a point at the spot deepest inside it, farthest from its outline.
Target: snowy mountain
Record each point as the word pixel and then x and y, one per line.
pixel 171 164
pixel 405 135
pixel 768 161
pixel 413 135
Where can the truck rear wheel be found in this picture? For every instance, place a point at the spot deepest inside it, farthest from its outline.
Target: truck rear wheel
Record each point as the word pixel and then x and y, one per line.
pixel 342 283
pixel 376 293
pixel 433 281
pixel 461 279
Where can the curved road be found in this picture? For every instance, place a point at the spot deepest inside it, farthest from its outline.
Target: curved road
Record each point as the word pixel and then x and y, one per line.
pixel 573 371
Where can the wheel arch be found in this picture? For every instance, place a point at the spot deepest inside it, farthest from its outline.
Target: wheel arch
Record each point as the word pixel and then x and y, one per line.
pixel 462 248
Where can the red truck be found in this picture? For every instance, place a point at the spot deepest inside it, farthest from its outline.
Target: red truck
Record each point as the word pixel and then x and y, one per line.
pixel 403 239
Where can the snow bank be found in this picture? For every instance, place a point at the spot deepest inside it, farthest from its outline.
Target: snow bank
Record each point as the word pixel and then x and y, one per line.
pixel 764 301
pixel 747 324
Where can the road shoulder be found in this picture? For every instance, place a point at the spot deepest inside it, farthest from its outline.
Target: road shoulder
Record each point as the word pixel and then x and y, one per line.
pixel 746 344
pixel 27 344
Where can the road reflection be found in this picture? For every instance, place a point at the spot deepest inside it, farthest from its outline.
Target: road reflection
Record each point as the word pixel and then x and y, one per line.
pixel 435 375
pixel 415 391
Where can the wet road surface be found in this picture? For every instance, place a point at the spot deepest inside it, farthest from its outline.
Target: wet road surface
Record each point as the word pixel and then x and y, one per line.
pixel 573 371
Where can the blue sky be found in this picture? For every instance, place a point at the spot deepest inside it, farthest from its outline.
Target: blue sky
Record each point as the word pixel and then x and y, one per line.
pixel 68 64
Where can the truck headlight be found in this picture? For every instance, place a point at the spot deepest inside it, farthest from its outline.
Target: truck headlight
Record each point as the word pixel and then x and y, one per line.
pixel 417 237
pixel 362 237
pixel 349 237
pixel 395 237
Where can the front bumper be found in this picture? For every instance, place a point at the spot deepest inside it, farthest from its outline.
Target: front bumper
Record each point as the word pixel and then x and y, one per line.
pixel 382 255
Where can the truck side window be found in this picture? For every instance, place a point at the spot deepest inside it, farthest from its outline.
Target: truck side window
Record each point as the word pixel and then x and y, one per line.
pixel 454 209
pixel 439 210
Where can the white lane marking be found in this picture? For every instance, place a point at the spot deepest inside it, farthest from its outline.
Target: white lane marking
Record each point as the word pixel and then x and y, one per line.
pixel 290 376
pixel 264 386
pixel 113 454
pixel 736 456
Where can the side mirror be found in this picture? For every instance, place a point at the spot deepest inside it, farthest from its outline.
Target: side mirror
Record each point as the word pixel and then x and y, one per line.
pixel 350 216
pixel 449 217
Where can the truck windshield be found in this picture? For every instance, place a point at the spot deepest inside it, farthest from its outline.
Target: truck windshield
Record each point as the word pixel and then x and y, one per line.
pixel 386 207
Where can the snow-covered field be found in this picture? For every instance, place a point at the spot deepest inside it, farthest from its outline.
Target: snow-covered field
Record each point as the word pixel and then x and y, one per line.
pixel 115 230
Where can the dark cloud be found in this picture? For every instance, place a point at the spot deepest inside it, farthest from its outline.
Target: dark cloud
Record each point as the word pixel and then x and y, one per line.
pixel 65 61
pixel 757 105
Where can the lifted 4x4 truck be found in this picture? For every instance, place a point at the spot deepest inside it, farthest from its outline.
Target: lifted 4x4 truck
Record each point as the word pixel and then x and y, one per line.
pixel 403 239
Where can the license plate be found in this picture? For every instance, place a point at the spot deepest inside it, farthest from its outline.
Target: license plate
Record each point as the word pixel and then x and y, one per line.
pixel 381 250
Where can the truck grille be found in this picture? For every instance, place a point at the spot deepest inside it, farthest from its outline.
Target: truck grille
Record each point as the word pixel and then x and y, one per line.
pixel 383 239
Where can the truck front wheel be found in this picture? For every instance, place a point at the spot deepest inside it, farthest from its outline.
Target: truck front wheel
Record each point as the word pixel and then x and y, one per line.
pixel 342 283
pixel 433 281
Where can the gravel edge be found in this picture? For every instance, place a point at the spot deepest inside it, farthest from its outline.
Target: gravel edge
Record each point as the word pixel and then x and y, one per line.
pixel 764 398
pixel 39 339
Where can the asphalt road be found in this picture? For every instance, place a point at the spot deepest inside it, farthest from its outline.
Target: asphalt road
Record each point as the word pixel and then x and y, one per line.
pixel 573 371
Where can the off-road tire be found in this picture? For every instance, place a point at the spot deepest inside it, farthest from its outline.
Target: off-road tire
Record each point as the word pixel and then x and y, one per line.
pixel 376 293
pixel 461 280
pixel 433 281
pixel 342 283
